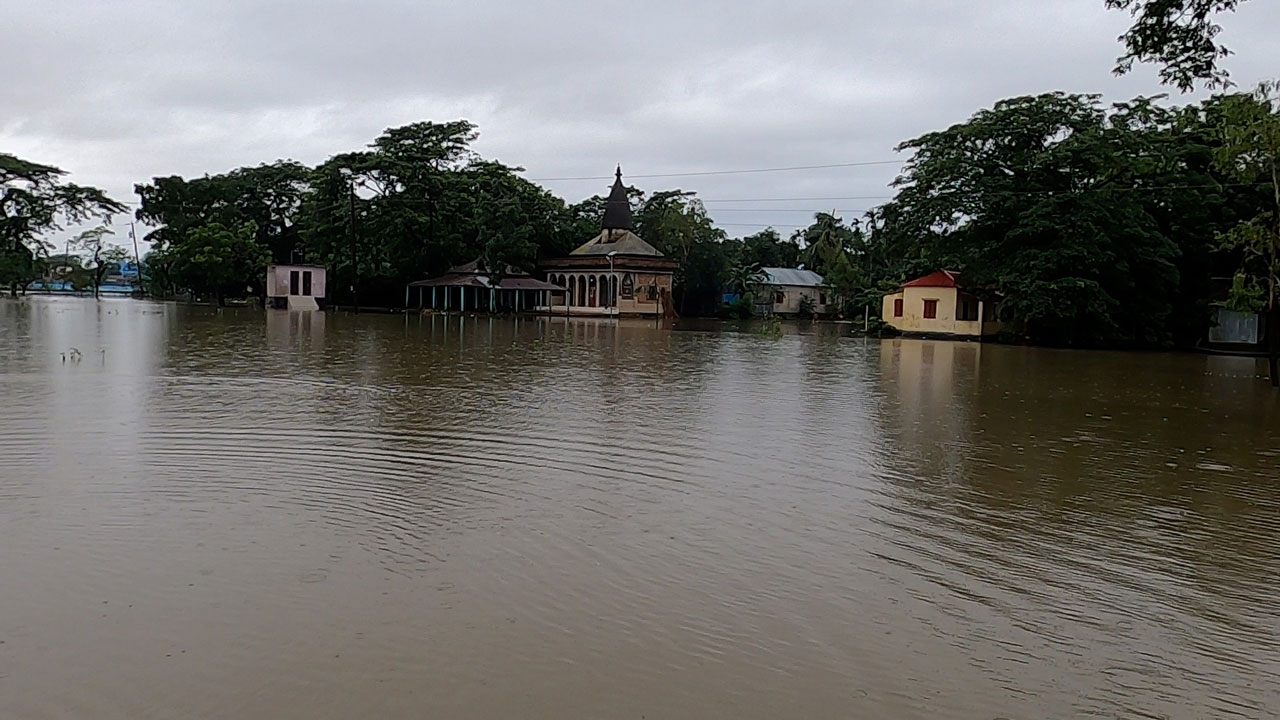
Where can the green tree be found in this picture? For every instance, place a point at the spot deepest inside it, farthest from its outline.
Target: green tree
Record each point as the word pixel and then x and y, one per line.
pixel 744 278
pixel 1250 152
pixel 101 253
pixel 36 200
pixel 213 258
pixel 676 223
pixel 159 274
pixel 829 248
pixel 826 243
pixel 268 196
pixel 1178 35
pixel 421 201
pixel 1041 199
pixel 768 249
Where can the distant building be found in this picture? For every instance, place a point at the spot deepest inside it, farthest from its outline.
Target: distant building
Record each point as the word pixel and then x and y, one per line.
pixel 296 287
pixel 786 291
pixel 59 268
pixel 614 273
pixel 1239 329
pixel 939 305
pixel 1230 331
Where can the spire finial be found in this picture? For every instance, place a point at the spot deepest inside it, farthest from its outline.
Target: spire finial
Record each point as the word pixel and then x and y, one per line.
pixel 617 209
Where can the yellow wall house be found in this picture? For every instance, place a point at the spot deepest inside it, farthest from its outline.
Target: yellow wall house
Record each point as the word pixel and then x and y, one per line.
pixel 937 304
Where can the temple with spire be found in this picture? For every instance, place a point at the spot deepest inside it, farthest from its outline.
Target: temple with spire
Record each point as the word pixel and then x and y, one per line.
pixel 615 273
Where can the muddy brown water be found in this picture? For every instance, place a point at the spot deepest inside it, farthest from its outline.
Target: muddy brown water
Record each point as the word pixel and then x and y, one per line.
pixel 241 514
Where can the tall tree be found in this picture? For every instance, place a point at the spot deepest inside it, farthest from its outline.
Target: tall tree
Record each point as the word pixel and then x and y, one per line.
pixel 268 196
pixel 94 242
pixel 828 245
pixel 1035 198
pixel 36 200
pixel 677 224
pixel 216 259
pixel 1178 35
pixel 1250 151
pixel 768 249
pixel 391 213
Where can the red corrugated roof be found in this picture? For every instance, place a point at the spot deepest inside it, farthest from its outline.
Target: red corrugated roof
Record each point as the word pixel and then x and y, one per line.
pixel 941 278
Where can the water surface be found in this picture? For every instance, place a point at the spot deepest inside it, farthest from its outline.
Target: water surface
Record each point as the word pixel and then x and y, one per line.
pixel 230 514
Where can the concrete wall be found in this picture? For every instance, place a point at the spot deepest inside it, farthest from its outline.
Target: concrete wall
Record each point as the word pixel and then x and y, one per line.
pixel 914 321
pixel 278 280
pixel 1235 327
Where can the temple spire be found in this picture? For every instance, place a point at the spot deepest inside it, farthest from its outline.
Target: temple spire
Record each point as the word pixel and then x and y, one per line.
pixel 617 209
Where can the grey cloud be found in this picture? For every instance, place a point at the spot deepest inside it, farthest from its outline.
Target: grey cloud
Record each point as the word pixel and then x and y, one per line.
pixel 123 91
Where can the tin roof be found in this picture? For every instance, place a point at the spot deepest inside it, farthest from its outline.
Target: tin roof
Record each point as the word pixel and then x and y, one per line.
pixel 473 274
pixel 797 277
pixel 938 278
pixel 485 282
pixel 622 242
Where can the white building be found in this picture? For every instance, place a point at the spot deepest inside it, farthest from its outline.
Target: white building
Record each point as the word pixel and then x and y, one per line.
pixel 296 287
pixel 782 291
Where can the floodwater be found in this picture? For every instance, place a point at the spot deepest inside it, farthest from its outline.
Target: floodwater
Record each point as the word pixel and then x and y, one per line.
pixel 239 514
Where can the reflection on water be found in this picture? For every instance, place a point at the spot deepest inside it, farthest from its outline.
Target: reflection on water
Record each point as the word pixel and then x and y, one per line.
pixel 244 514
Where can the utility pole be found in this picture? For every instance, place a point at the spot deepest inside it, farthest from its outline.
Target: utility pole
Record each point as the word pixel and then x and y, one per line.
pixel 137 259
pixel 355 271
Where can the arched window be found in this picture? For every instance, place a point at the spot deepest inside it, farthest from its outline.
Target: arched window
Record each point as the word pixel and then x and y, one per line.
pixel 592 297
pixel 613 291
pixel 582 291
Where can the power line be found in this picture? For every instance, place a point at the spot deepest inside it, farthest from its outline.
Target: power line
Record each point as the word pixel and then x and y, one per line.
pixel 780 210
pixel 801 199
pixel 760 225
pixel 727 172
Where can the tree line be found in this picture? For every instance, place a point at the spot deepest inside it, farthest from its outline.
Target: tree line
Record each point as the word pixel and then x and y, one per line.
pixel 1099 225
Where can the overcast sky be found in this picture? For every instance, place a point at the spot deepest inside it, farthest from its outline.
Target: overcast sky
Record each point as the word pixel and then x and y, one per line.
pixel 119 92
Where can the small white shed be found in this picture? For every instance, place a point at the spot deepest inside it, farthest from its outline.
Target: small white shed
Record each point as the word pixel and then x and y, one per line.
pixel 297 287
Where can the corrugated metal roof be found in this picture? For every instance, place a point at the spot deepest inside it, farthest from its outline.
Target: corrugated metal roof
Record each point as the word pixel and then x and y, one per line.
pixel 938 278
pixel 792 276
pixel 485 282
pixel 622 242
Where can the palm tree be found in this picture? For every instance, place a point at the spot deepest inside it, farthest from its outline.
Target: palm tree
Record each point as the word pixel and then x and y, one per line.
pixel 744 278
pixel 826 241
